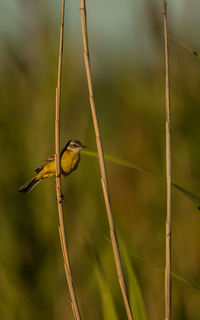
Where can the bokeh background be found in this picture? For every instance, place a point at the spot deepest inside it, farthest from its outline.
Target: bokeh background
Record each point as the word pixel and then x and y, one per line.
pixel 126 43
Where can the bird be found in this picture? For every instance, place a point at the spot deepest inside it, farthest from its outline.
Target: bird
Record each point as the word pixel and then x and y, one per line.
pixel 69 160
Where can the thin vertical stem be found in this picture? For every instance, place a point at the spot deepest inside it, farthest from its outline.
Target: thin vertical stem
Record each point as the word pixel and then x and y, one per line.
pixel 104 181
pixel 58 172
pixel 168 173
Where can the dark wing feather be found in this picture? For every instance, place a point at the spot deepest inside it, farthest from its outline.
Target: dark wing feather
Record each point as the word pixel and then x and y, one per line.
pixel 51 158
pixel 44 164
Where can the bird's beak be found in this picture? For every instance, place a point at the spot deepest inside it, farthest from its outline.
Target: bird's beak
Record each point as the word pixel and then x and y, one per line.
pixel 83 147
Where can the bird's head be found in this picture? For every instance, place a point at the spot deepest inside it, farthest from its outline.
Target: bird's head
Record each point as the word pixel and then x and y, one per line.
pixel 74 145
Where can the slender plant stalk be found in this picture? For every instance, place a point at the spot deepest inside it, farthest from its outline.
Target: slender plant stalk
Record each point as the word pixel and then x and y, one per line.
pixel 58 179
pixel 104 182
pixel 168 173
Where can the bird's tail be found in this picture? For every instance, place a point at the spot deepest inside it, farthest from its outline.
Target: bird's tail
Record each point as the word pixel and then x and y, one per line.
pixel 28 186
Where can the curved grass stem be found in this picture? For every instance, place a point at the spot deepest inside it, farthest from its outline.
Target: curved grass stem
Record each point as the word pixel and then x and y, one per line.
pixel 168 173
pixel 63 241
pixel 104 181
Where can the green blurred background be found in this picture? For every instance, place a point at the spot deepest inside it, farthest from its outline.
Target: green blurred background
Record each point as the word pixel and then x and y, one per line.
pixel 126 43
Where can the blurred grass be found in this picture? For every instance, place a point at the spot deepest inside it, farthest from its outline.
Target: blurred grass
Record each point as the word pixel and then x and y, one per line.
pixel 192 197
pixel 130 101
pixel 136 298
pixel 108 307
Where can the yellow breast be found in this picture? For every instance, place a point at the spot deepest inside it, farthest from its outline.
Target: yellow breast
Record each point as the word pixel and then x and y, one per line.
pixel 69 161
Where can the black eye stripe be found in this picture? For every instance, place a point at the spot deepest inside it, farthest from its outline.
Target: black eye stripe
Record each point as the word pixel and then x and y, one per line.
pixel 74 145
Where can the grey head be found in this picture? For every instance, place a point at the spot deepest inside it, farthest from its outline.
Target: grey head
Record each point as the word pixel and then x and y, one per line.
pixel 74 145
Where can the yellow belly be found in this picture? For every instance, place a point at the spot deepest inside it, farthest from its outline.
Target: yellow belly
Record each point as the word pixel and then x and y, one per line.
pixel 69 162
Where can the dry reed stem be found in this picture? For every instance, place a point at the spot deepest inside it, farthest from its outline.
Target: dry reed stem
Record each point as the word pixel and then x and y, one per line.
pixel 168 173
pixel 104 182
pixel 58 180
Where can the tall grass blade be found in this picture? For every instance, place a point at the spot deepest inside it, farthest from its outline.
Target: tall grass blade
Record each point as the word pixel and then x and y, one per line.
pixel 109 311
pixel 189 195
pixel 185 46
pixel 108 305
pixel 173 274
pixel 136 299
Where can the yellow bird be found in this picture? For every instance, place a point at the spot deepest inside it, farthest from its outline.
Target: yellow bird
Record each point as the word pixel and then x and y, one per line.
pixel 69 160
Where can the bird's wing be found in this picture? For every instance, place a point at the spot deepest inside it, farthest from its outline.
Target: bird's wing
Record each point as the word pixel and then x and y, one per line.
pixel 50 159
